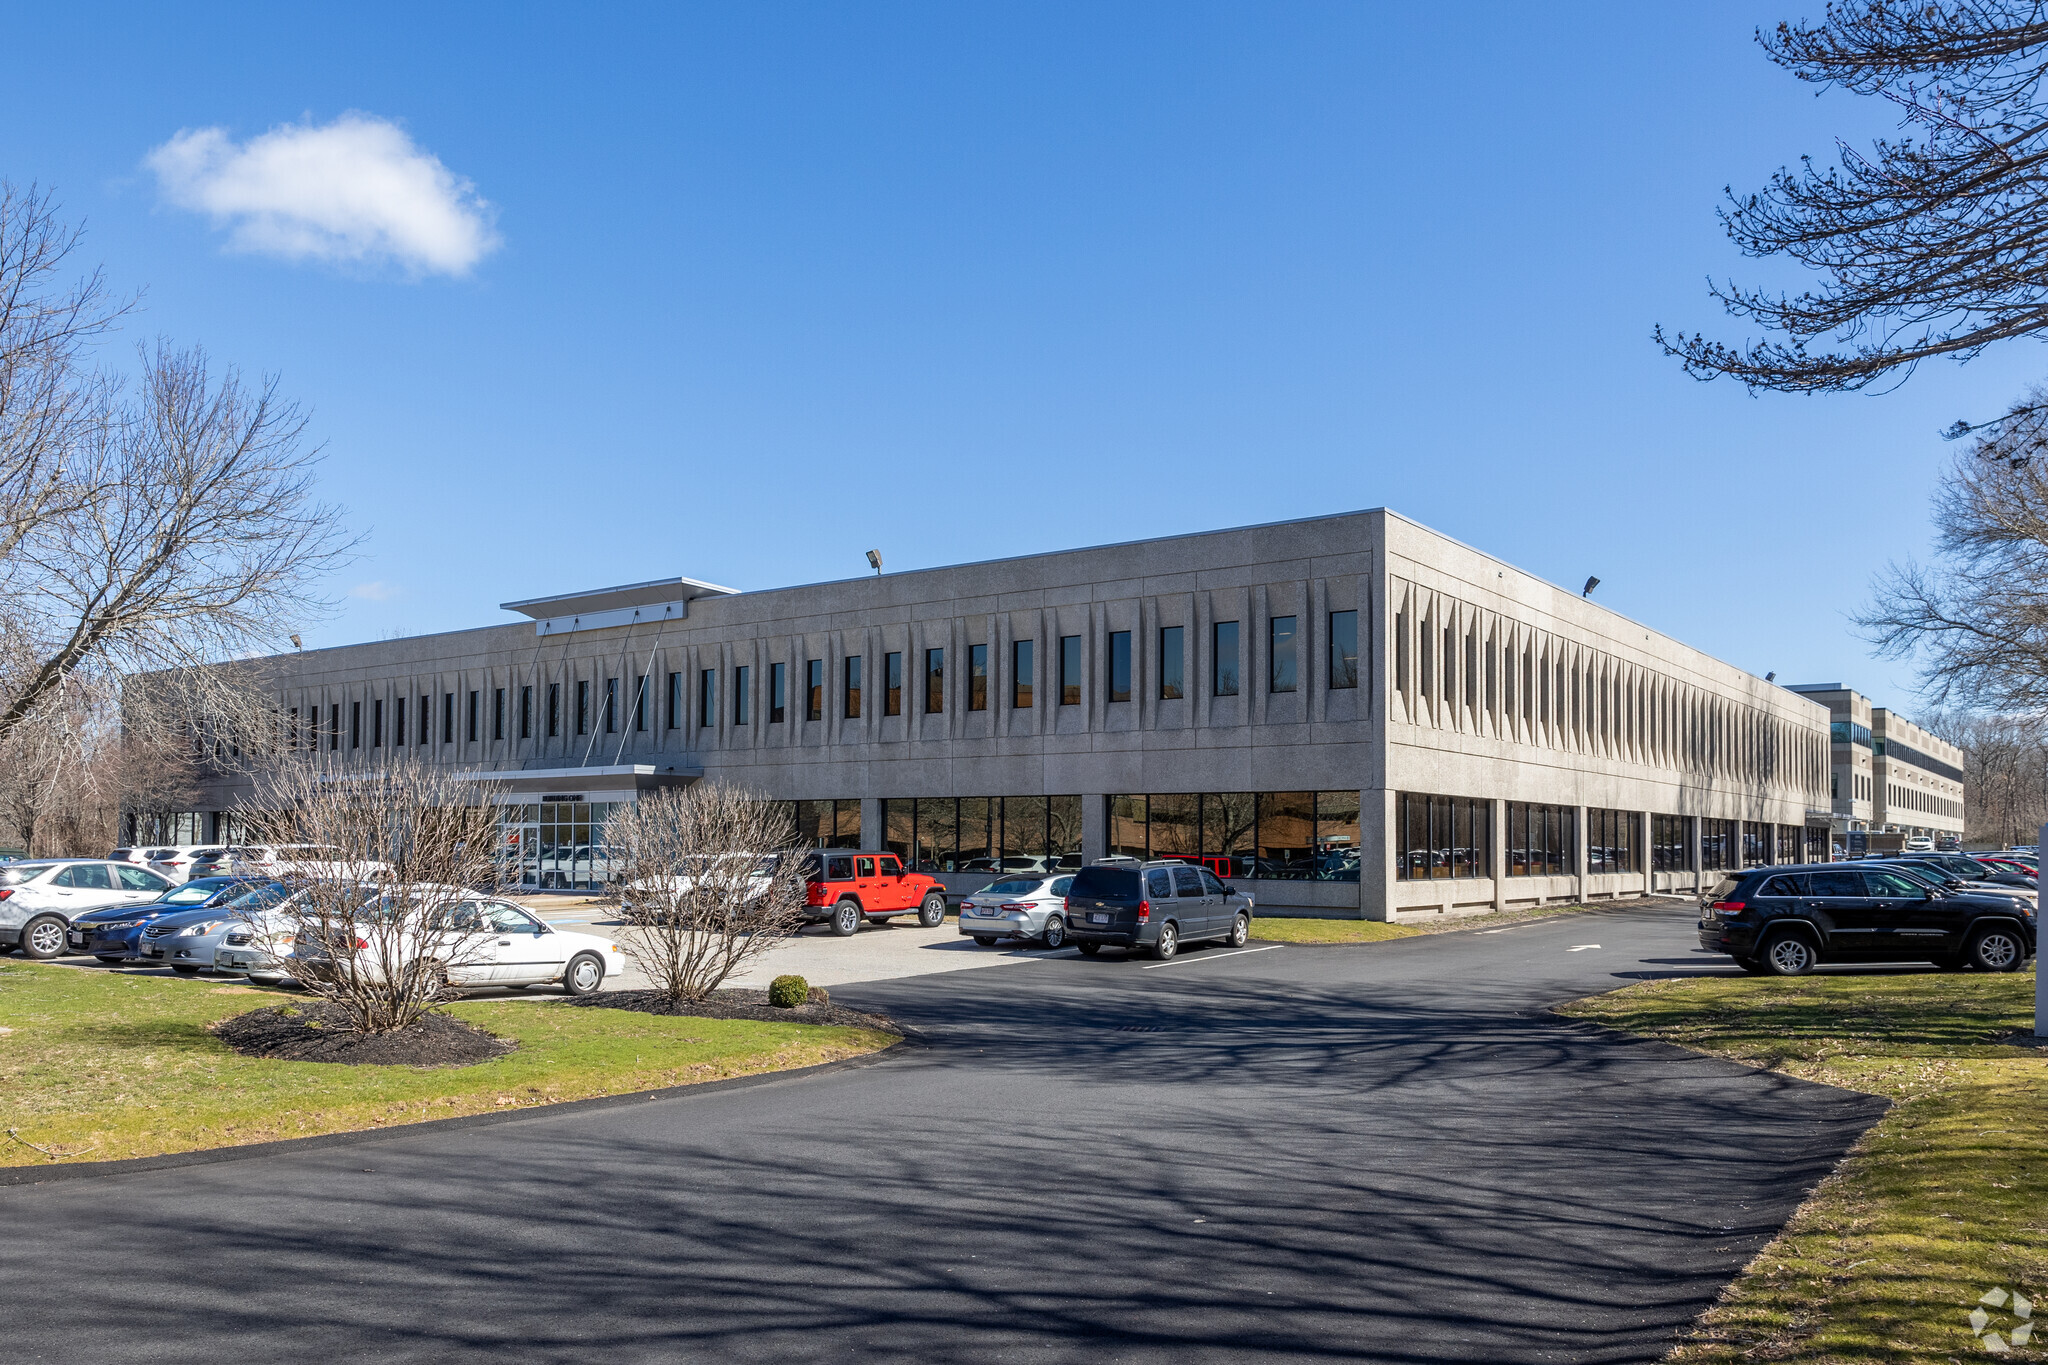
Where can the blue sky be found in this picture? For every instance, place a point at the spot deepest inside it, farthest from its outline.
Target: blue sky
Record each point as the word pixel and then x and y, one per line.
pixel 774 284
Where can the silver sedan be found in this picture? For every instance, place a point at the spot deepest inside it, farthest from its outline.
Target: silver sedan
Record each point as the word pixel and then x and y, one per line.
pixel 1018 908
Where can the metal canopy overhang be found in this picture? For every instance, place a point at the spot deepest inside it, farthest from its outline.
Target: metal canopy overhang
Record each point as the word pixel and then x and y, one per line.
pixel 608 782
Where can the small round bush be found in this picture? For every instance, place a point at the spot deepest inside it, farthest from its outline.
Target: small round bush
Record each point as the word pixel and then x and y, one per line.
pixel 787 992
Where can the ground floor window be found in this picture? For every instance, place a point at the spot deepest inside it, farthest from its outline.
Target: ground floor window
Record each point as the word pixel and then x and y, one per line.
pixel 1282 836
pixel 1442 836
pixel 1717 845
pixel 1670 843
pixel 1541 840
pixel 1819 843
pixel 826 824
pixel 1756 843
pixel 1611 844
pixel 556 844
pixel 983 833
pixel 1791 843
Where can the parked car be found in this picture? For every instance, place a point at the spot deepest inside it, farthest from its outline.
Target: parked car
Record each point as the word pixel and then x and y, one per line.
pixel 260 945
pixel 748 875
pixel 1018 908
pixel 1926 870
pixel 288 860
pixel 118 934
pixel 485 943
pixel 1971 869
pixel 186 940
pixel 172 860
pixel 848 889
pixel 38 900
pixel 1155 906
pixel 1787 920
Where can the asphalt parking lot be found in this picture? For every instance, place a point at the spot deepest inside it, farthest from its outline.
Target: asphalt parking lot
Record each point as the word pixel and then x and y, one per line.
pixel 1388 1152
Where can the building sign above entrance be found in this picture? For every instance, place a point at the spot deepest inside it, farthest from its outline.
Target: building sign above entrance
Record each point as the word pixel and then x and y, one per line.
pixel 554 800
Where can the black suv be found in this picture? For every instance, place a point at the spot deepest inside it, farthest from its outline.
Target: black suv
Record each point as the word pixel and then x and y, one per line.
pixel 1786 920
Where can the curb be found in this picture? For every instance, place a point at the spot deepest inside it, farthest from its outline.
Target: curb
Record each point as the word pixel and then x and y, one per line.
pixel 1476 923
pixel 19 1176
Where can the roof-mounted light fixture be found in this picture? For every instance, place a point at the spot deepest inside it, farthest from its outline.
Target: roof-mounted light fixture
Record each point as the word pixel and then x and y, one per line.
pixel 1591 584
pixel 875 560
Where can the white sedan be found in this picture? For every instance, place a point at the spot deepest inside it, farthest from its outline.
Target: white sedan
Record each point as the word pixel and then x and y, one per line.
pixel 488 943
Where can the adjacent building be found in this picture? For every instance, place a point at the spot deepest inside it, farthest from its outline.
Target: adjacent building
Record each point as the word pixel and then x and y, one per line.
pixel 1886 774
pixel 1347 715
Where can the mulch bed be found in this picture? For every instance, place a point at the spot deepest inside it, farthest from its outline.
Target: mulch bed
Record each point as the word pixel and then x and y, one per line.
pixel 320 1032
pixel 736 1003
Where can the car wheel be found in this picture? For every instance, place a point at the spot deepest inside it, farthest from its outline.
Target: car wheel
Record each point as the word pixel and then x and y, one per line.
pixel 1789 955
pixel 1240 931
pixel 1089 949
pixel 1997 950
pixel 43 939
pixel 1055 935
pixel 182 970
pixel 1168 944
pixel 984 941
pixel 846 918
pixel 1752 965
pixel 583 975
pixel 932 913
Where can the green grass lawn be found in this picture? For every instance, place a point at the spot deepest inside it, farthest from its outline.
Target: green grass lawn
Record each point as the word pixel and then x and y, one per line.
pixel 1944 1200
pixel 99 1065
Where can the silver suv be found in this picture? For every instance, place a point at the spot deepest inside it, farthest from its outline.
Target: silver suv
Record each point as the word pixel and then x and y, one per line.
pixel 1154 906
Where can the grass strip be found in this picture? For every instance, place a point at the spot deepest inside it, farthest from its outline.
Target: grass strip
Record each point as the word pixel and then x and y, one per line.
pixel 1280 929
pixel 98 1065
pixel 1943 1201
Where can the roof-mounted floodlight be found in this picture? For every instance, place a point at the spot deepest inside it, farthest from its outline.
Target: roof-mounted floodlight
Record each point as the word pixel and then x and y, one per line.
pixel 1591 584
pixel 875 560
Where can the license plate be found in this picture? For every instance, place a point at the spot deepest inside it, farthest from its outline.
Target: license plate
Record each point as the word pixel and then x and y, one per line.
pixel 1098 919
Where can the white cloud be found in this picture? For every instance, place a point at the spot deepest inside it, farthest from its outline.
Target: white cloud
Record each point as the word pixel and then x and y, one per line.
pixel 378 591
pixel 357 189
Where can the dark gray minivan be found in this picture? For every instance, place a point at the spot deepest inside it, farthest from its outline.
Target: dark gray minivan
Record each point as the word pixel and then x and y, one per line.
pixel 1154 906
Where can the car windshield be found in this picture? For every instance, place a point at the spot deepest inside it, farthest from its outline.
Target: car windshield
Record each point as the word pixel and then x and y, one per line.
pixel 259 898
pixel 191 893
pixel 1013 888
pixel 1108 883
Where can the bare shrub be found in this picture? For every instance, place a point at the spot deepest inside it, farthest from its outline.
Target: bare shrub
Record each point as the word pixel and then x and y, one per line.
pixel 391 937
pixel 713 878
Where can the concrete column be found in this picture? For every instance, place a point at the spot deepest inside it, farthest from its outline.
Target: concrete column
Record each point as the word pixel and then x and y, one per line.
pixel 1499 854
pixel 1646 851
pixel 1579 854
pixel 1692 840
pixel 871 831
pixel 1094 818
pixel 1376 854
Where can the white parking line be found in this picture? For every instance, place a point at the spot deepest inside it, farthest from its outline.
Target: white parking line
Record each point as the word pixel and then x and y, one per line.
pixel 1208 957
pixel 1581 947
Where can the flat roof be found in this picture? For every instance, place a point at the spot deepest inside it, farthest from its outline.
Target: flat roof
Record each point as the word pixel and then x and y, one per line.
pixel 612 599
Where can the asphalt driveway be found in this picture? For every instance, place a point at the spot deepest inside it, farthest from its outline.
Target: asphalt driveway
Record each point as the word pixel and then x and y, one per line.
pixel 1389 1152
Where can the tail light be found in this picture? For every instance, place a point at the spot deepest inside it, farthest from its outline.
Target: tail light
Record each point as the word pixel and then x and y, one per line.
pixel 362 943
pixel 1144 911
pixel 1015 905
pixel 1730 907
pixel 6 893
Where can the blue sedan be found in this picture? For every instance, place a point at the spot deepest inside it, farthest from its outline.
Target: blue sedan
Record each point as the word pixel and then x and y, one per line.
pixel 113 935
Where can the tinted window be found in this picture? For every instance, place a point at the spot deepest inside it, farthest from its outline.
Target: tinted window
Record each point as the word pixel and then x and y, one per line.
pixel 1016 888
pixel 1062 885
pixel 1106 883
pixel 1836 883
pixel 865 866
pixel 1211 884
pixel 1188 882
pixel 891 868
pixel 87 876
pixel 1885 883
pixel 1780 886
pixel 839 869
pixel 140 879
pixel 1159 883
pixel 16 876
pixel 1725 889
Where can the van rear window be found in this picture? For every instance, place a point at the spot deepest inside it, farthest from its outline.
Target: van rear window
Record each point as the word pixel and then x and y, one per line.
pixel 1106 883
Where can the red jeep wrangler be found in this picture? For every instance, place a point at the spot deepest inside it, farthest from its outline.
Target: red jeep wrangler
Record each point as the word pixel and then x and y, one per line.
pixel 844 888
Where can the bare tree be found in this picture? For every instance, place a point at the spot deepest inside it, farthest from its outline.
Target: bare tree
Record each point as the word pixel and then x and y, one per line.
pixel 713 879
pixel 1976 621
pixel 2005 772
pixel 397 931
pixel 160 530
pixel 1931 244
